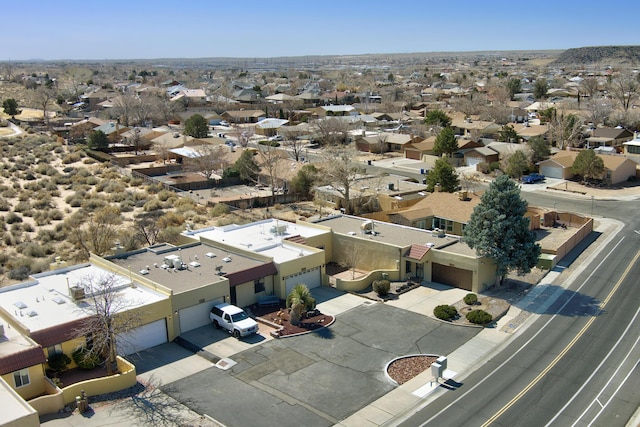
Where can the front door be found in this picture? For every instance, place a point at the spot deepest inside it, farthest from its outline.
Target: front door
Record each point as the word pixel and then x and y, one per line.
pixel 420 270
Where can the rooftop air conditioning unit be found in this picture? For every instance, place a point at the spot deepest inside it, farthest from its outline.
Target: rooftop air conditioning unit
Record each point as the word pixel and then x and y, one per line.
pixel 77 293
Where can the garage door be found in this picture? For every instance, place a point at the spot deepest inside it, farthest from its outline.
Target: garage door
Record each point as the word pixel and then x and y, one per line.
pixel 142 338
pixel 311 278
pixel 551 171
pixel 472 161
pixel 452 276
pixel 197 315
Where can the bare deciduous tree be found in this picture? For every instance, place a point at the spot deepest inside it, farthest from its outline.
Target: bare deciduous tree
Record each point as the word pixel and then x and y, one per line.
pixel 598 110
pixel 97 232
pixel 624 89
pixel 111 316
pixel 341 170
pixel 209 161
pixel 43 97
pixel 332 130
pixel 565 130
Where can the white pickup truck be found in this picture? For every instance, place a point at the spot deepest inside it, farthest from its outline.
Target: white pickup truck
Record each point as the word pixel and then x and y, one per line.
pixel 234 319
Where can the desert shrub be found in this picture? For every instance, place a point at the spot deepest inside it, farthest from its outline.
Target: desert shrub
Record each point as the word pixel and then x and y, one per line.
pixel 381 287
pixel 23 206
pixel 94 203
pixel 170 219
pixel 494 166
pixel 470 299
pixel 127 205
pixel 58 362
pixel 41 218
pixel 8 192
pixel 479 317
pixel 92 180
pixel 153 205
pixel 170 235
pixel 85 359
pixel 56 215
pixel 154 188
pixel 445 312
pixel 219 210
pixel 33 250
pixel 12 218
pixel 19 273
pixel 165 195
pixel 27 227
pixel 72 158
pixel 483 167
pixel 89 161
pixel 5 206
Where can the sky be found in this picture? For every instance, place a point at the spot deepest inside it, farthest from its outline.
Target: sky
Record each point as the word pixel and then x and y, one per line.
pixel 149 29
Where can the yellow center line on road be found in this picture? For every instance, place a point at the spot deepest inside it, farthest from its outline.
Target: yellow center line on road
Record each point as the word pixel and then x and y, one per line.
pixel 537 379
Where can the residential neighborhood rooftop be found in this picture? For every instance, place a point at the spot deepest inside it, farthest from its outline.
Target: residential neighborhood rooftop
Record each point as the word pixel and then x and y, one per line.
pixel 394 234
pixel 46 301
pixel 268 237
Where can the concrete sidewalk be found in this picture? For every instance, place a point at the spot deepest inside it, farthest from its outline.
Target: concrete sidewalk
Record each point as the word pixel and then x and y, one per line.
pixel 408 398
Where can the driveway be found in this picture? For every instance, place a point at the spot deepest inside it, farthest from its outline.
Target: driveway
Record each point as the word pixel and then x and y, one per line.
pixel 320 378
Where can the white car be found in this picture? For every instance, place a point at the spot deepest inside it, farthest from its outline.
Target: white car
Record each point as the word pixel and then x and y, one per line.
pixel 234 319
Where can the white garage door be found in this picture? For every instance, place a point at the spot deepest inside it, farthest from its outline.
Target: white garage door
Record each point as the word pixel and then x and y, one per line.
pixel 551 171
pixel 197 315
pixel 142 338
pixel 311 278
pixel 472 161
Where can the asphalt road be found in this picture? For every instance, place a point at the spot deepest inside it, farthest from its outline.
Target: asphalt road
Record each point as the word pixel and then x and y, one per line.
pixel 317 379
pixel 578 363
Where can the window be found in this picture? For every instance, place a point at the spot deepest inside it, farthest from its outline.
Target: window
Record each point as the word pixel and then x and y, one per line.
pixel 21 377
pixel 633 149
pixel 258 286
pixel 54 349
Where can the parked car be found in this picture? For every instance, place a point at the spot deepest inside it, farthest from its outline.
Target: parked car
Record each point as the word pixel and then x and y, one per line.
pixel 234 319
pixel 532 178
pixel 276 138
pixel 224 123
pixel 230 143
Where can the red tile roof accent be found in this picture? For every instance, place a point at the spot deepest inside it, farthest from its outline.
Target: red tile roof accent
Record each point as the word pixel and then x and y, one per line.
pixel 417 252
pixel 297 239
pixel 57 334
pixel 255 273
pixel 21 360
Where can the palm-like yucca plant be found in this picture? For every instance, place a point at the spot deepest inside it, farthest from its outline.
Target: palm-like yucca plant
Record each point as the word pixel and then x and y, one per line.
pixel 300 301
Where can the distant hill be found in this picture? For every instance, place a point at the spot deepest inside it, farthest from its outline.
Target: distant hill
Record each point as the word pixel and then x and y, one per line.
pixel 603 55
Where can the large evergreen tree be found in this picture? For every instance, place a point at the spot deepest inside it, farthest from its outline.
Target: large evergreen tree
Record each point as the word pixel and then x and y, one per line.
pixel 98 140
pixel 10 107
pixel 445 175
pixel 499 230
pixel 196 126
pixel 588 165
pixel 446 142
pixel 437 118
pixel 247 167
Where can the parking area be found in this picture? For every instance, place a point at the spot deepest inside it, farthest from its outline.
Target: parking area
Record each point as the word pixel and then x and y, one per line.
pixel 321 377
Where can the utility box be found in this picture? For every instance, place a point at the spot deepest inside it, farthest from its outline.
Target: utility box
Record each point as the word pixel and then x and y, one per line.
pixel 436 370
pixel 442 361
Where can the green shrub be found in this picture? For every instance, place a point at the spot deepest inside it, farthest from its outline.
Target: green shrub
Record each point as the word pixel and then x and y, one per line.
pixel 219 210
pixel 85 359
pixel 471 299
pixel 381 287
pixel 479 317
pixel 445 312
pixel 58 362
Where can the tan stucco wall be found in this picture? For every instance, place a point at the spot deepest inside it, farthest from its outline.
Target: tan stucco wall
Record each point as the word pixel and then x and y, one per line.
pixel 623 172
pixel 50 403
pixel 295 266
pixel 125 379
pixel 193 297
pixel 68 347
pixel 483 268
pixel 36 382
pixel 16 412
pixel 367 254
pixel 245 292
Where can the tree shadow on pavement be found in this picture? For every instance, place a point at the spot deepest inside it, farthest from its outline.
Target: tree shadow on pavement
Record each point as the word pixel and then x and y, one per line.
pixel 552 299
